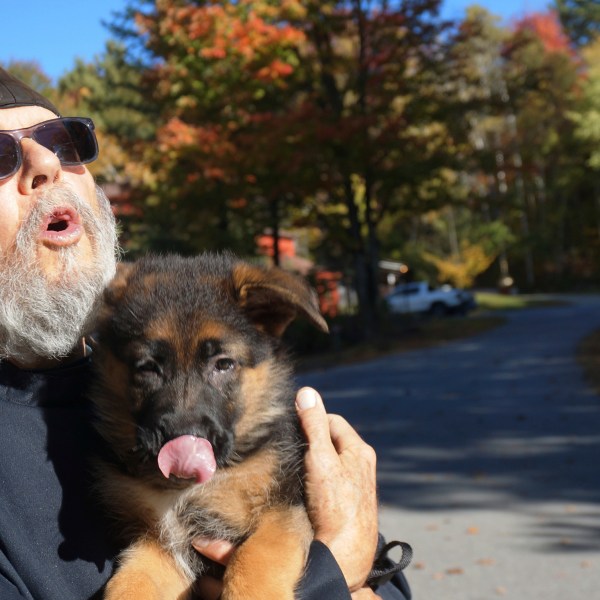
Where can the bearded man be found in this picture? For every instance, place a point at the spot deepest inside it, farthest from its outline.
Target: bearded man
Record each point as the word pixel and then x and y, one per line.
pixel 58 250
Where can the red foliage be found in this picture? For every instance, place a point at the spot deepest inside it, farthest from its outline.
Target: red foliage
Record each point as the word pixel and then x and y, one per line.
pixel 547 27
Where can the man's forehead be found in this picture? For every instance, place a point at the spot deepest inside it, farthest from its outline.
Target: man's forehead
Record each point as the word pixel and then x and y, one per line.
pixel 23 116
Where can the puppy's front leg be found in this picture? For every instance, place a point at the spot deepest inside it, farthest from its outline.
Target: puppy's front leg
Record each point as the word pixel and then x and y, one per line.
pixel 268 565
pixel 147 572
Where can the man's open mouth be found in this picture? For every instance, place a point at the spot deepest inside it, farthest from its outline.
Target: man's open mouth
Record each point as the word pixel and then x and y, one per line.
pixel 62 227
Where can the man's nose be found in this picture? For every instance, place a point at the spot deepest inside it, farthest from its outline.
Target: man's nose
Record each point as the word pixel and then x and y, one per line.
pixel 41 167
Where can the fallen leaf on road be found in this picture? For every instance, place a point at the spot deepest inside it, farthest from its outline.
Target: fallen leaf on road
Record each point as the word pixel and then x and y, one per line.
pixel 455 571
pixel 473 530
pixel 419 566
pixel 501 591
pixel 486 562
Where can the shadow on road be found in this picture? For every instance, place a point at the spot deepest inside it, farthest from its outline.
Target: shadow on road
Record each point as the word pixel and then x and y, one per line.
pixel 490 423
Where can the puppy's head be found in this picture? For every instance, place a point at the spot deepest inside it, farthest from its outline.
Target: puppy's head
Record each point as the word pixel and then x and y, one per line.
pixel 187 348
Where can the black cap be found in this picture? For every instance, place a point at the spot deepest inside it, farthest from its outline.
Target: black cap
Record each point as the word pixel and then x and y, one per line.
pixel 15 93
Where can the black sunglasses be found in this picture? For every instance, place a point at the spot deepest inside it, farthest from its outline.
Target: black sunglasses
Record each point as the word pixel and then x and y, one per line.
pixel 72 139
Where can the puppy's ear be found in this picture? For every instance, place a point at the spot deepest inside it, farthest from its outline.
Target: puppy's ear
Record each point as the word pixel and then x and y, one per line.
pixel 116 288
pixel 273 298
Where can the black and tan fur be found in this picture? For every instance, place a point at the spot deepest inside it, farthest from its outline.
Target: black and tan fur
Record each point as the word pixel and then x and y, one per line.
pixel 191 346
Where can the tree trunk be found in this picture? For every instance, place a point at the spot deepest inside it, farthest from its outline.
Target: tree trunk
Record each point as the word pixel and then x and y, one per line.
pixel 274 205
pixel 360 261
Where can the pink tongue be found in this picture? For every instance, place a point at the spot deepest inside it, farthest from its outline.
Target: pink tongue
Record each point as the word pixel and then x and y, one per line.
pixel 187 457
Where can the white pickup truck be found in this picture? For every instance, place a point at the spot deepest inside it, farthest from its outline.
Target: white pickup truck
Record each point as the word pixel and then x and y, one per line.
pixel 420 297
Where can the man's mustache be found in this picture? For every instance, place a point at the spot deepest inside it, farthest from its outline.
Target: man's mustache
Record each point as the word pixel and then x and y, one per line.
pixel 60 195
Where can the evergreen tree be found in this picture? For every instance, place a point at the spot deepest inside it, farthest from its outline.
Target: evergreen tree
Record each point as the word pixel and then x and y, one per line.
pixel 580 18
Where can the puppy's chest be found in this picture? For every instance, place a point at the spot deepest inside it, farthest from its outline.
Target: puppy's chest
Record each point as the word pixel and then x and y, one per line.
pixel 233 499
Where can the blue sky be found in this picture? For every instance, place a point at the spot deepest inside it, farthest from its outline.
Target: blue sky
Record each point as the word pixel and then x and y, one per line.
pixel 56 32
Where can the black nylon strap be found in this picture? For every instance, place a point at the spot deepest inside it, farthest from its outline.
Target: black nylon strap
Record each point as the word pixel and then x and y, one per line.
pixel 384 568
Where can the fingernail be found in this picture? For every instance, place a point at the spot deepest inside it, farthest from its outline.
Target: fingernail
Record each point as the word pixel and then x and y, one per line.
pixel 306 398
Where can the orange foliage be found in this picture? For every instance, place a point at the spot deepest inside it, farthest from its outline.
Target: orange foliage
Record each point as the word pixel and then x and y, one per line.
pixel 215 52
pixel 175 134
pixel 207 144
pixel 246 30
pixel 240 109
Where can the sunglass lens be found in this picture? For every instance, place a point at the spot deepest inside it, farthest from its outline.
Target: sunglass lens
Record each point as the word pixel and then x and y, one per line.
pixel 84 139
pixel 9 155
pixel 70 139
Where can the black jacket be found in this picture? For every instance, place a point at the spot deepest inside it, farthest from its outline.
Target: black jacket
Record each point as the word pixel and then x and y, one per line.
pixel 53 542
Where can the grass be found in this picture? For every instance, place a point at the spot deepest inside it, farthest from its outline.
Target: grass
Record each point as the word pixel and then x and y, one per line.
pixel 491 301
pixel 588 356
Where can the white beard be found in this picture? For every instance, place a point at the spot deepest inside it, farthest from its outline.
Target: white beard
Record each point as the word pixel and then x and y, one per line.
pixel 43 318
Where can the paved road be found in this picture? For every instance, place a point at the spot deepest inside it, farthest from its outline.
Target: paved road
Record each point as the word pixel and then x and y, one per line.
pixel 489 457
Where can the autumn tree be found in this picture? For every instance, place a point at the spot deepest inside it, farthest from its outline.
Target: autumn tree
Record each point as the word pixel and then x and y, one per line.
pixel 510 93
pixel 218 71
pixel 368 66
pixel 543 75
pixel 457 239
pixel 585 182
pixel 270 103
pixel 587 113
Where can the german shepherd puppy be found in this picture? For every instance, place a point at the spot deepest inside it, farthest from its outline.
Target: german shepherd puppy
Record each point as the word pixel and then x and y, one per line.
pixel 196 403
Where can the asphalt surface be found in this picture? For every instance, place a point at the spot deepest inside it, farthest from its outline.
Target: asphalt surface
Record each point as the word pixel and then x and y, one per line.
pixel 488 457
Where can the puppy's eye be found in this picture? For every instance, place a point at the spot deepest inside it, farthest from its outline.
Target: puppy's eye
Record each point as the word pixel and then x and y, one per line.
pixel 224 364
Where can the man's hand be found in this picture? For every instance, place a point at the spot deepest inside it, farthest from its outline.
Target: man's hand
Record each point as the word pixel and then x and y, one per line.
pixel 341 497
pixel 209 588
pixel 340 488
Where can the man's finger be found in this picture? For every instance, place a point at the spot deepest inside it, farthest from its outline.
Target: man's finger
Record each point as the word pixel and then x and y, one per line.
pixel 349 445
pixel 314 421
pixel 218 550
pixel 343 435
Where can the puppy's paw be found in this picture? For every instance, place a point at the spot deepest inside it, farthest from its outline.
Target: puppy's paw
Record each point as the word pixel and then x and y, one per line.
pixel 132 586
pixel 268 565
pixel 147 572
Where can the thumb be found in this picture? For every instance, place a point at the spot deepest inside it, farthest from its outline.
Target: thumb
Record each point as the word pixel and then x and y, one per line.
pixel 313 419
pixel 218 550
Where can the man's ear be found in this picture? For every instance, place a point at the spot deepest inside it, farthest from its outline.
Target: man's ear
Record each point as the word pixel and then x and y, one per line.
pixel 273 298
